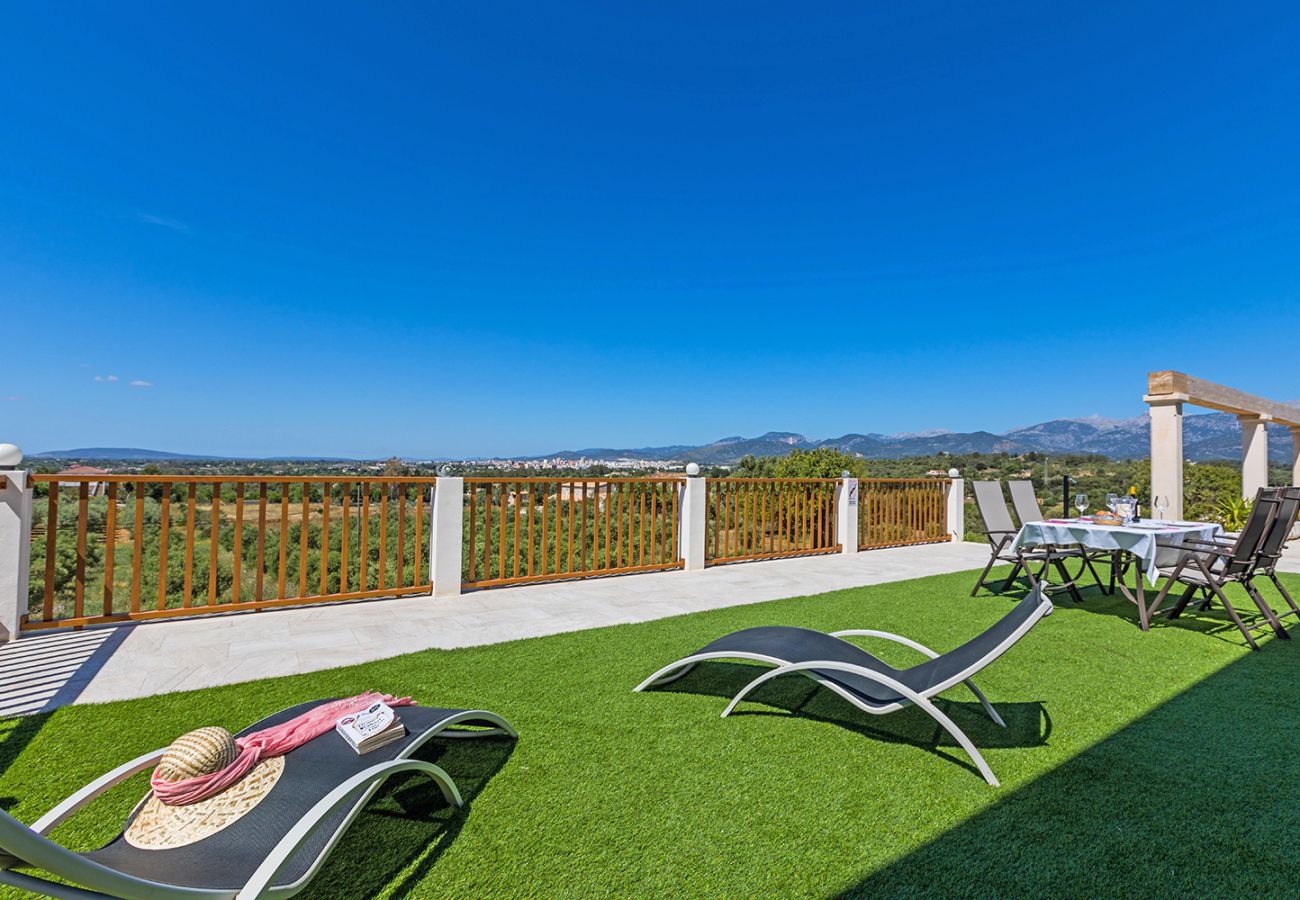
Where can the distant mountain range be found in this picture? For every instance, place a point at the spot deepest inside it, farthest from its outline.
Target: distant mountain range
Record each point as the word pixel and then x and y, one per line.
pixel 131 453
pixel 1205 437
pixel 138 454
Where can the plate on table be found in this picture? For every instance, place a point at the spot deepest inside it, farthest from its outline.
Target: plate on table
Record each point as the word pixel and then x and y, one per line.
pixel 1151 526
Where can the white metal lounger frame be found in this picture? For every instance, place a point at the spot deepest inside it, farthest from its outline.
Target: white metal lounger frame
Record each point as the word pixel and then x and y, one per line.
pixel 30 847
pixel 921 699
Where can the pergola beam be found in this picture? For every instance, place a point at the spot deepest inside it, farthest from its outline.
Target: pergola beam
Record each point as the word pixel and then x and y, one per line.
pixel 1166 394
pixel 1199 392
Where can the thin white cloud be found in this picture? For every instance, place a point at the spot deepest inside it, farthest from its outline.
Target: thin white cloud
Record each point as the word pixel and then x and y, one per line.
pixel 141 383
pixel 161 221
pixel 12 398
pixel 106 378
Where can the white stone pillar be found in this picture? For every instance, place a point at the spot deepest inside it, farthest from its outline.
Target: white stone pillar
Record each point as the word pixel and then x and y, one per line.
pixel 1295 456
pixel 956 507
pixel 446 534
pixel 846 514
pixel 1254 454
pixel 694 520
pixel 1167 452
pixel 15 550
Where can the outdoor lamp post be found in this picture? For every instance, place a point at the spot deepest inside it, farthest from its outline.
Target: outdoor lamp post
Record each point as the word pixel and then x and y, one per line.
pixel 10 457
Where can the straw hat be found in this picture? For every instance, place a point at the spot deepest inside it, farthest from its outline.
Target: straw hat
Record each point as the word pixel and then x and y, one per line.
pixel 158 826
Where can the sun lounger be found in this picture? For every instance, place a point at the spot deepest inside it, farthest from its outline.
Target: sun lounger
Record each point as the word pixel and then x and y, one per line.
pixel 272 850
pixel 863 680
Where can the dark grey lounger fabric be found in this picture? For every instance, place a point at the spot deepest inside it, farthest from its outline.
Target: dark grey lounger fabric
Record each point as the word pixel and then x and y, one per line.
pixel 227 859
pixel 795 645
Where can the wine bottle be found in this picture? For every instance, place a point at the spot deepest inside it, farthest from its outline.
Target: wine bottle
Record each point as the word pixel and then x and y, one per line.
pixel 1137 506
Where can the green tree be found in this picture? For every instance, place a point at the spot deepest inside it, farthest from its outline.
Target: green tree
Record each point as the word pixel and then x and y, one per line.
pixel 822 462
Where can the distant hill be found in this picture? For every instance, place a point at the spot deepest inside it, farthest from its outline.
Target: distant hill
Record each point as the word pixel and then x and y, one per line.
pixel 138 454
pixel 1205 437
pixel 132 453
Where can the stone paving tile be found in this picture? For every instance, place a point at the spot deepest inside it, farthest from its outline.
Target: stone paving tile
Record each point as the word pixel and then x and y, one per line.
pixel 96 665
pixel 1290 561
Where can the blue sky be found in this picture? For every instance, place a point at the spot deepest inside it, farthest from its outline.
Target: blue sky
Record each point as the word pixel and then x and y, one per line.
pixel 465 229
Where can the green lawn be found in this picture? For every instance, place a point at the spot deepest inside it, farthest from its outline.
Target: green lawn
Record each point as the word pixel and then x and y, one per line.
pixel 1142 764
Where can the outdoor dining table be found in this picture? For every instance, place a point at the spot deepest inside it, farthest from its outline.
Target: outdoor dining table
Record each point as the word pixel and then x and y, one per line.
pixel 1149 542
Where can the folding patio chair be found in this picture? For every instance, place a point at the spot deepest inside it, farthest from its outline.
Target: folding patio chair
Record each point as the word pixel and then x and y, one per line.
pixel 1206 567
pixel 1025 500
pixel 1270 550
pixel 865 681
pixel 272 850
pixel 1001 532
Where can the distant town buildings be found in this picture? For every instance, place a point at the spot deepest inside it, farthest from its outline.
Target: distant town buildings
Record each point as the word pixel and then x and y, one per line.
pixel 95 488
pixel 583 462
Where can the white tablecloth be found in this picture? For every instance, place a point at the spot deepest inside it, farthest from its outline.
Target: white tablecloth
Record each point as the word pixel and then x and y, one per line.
pixel 1154 543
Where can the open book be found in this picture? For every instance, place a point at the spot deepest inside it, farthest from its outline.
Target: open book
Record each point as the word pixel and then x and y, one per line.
pixel 371 728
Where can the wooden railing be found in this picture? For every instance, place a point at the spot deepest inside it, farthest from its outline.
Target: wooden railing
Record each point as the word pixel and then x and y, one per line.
pixel 766 518
pixel 539 529
pixel 893 512
pixel 121 547
pixel 110 548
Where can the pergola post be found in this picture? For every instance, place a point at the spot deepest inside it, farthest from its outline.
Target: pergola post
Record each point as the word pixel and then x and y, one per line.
pixel 1254 454
pixel 1167 452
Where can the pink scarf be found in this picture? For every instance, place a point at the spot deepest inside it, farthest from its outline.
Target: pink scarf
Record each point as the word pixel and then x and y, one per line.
pixel 274 741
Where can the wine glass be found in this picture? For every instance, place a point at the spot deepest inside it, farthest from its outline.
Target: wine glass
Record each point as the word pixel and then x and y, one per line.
pixel 1112 502
pixel 1080 503
pixel 1161 503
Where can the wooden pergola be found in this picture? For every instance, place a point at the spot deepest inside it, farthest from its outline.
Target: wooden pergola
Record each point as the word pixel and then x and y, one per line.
pixel 1166 394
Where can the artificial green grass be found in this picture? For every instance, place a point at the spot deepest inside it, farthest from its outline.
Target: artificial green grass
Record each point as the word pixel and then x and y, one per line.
pixel 1144 764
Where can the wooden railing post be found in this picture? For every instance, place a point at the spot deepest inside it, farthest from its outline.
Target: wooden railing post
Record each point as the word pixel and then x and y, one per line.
pixel 15 550
pixel 694 519
pixel 956 506
pixel 446 533
pixel 846 514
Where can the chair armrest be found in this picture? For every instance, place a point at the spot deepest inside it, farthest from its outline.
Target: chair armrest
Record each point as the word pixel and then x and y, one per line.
pixel 61 813
pixel 359 786
pixel 1209 549
pixel 1211 546
pixel 898 639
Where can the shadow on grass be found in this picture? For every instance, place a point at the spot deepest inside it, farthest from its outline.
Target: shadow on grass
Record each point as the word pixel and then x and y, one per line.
pixel 1210 620
pixel 15 735
pixel 1196 798
pixel 1027 723
pixel 407 826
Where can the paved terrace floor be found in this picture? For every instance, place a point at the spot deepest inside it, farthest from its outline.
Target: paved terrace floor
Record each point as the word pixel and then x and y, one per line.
pixel 49 669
